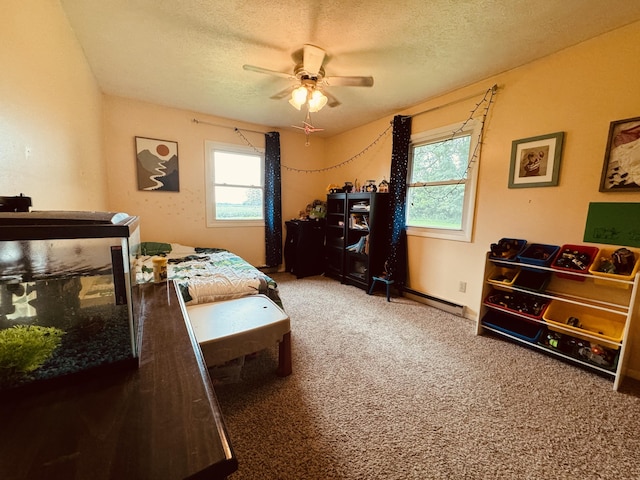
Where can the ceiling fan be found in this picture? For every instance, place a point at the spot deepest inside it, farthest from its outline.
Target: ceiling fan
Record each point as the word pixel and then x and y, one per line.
pixel 310 74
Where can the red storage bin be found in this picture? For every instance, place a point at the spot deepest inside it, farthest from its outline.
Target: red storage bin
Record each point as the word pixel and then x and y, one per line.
pixel 522 303
pixel 578 263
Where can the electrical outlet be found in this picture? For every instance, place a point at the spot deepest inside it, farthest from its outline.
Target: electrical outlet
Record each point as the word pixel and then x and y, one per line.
pixel 462 287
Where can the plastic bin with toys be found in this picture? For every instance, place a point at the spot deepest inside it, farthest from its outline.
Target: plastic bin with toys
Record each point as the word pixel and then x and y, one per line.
pixel 616 263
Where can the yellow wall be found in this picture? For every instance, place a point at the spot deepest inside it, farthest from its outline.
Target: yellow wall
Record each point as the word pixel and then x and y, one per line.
pixel 50 111
pixel 578 91
pixel 361 154
pixel 50 104
pixel 181 217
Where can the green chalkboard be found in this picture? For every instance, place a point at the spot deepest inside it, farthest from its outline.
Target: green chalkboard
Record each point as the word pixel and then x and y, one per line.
pixel 613 224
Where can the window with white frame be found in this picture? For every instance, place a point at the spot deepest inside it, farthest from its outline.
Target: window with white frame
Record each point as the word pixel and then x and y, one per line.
pixel 234 185
pixel 441 187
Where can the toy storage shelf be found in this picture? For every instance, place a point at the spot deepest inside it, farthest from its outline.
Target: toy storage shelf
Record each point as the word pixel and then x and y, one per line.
pixel 603 305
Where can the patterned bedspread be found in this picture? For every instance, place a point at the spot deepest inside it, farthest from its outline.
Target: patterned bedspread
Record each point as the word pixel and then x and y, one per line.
pixel 206 275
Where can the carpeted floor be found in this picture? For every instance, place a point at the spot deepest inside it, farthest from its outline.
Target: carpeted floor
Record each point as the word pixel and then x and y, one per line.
pixel 401 390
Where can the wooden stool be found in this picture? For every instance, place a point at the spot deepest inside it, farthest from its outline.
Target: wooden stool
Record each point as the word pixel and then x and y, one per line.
pixel 386 281
pixel 233 328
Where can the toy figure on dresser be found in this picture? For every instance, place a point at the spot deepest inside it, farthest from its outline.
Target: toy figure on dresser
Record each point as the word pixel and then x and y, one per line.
pixel 316 210
pixel 335 188
pixel 370 187
pixel 383 187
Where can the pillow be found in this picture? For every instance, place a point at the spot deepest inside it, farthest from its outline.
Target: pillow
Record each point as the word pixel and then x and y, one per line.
pixel 155 248
pixel 178 249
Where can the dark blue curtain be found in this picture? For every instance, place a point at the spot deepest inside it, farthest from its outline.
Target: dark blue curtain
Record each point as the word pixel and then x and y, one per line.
pixel 272 200
pixel 397 261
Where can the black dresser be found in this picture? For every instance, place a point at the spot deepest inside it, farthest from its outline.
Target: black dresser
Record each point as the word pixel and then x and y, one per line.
pixel 304 247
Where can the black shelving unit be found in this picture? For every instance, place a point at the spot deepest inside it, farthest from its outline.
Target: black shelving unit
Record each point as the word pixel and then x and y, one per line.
pixel 357 237
pixel 335 236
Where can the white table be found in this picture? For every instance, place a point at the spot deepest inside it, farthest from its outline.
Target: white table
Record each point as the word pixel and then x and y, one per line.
pixel 232 328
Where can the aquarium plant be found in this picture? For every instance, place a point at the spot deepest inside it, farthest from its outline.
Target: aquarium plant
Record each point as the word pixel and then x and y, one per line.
pixel 24 348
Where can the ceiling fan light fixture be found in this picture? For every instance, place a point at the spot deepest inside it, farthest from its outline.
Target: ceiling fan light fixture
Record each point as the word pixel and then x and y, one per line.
pixel 299 97
pixel 317 101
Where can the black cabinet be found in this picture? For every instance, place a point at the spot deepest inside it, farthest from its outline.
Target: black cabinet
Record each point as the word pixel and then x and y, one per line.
pixel 357 237
pixel 334 235
pixel 304 246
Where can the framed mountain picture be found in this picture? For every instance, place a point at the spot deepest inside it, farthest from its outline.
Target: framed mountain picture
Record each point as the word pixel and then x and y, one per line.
pixel 157 165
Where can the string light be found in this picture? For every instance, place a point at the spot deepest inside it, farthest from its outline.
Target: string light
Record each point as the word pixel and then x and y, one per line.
pixel 239 132
pixel 317 170
pixel 490 93
pixel 487 99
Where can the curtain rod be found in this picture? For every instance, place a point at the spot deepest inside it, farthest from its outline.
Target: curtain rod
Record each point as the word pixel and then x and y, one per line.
pixel 195 120
pixel 453 102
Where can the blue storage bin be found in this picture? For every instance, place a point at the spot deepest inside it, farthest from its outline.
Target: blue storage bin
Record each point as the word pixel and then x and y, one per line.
pixel 511 255
pixel 539 254
pixel 519 328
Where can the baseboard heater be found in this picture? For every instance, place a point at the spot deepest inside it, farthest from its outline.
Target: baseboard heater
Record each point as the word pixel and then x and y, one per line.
pixel 445 305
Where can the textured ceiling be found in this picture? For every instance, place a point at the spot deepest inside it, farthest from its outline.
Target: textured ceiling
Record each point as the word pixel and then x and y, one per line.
pixel 189 53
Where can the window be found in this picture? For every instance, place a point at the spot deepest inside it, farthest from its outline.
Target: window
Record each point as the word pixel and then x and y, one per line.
pixel 235 185
pixel 441 187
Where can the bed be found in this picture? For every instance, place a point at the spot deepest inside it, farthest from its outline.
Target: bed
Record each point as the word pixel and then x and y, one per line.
pixel 205 275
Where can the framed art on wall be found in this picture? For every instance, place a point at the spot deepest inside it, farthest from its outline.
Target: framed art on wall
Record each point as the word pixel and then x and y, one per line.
pixel 535 161
pixel 621 169
pixel 157 165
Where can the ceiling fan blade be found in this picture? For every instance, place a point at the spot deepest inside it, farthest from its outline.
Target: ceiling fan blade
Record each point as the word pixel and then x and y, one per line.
pixel 253 68
pixel 298 56
pixel 331 100
pixel 349 81
pixel 283 93
pixel 312 59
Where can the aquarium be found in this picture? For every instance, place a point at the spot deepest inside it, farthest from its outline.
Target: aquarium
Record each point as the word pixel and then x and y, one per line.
pixel 66 296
